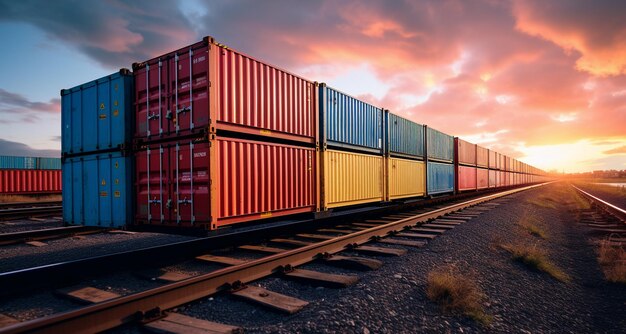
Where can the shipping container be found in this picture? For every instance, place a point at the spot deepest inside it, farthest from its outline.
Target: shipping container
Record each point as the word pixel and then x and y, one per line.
pixel 405 178
pixel 466 152
pixel 347 122
pixel 351 178
pixel 482 156
pixel 493 159
pixel 226 90
pixel 98 190
pixel 466 178
pixel 48 163
pixel 405 138
pixel 440 146
pixel 493 178
pixel 502 158
pixel 192 183
pixel 11 162
pixel 501 181
pixel 97 115
pixel 482 178
pixel 440 178
pixel 30 181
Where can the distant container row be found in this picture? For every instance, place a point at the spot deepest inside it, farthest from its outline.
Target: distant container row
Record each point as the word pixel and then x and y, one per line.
pixel 29 181
pixel 205 137
pixel 13 162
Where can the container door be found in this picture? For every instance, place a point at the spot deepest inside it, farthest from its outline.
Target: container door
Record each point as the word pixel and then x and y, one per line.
pixel 104 116
pixel 190 165
pixel 104 194
pixel 119 189
pixel 152 185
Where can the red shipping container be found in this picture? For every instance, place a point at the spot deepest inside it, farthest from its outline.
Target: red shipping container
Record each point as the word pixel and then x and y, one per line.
pixel 466 178
pixel 30 181
pixel 493 159
pixel 227 90
pixel 224 181
pixel 493 178
pixel 465 152
pixel 482 156
pixel 482 178
pixel 502 165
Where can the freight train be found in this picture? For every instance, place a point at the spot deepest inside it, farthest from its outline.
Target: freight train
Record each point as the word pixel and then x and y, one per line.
pixel 205 137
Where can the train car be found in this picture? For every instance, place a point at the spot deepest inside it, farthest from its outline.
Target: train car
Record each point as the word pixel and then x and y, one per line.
pixel 406 169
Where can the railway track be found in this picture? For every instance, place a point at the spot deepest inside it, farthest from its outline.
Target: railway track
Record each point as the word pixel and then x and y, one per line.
pixel 10 211
pixel 45 234
pixel 606 219
pixel 412 228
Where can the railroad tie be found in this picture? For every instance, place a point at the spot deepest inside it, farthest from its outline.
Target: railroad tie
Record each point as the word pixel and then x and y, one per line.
pixel 322 279
pixel 5 320
pixel 439 226
pixel 178 323
pixel 271 299
pixel 315 236
pixel 385 251
pixel 353 262
pixel 366 225
pixel 228 261
pixel 427 230
pixel 263 249
pixel 87 294
pixel 291 242
pixel 416 235
pixel 36 243
pixel 410 243
pixel 162 275
pixel 335 230
pixel 447 222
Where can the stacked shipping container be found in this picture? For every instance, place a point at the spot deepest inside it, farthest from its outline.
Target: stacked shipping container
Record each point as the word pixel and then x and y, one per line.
pixel 29 175
pixel 440 162
pixel 96 120
pixel 406 169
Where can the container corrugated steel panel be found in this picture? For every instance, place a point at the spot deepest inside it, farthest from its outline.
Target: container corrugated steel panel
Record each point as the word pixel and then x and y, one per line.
pixel 482 178
pixel 482 156
pixel 440 178
pixel 406 178
pixel 97 115
pixel 29 181
pixel 227 88
pixel 48 163
pixel 225 181
pixel 440 145
pixel 406 138
pixel 466 178
pixel 493 159
pixel 12 162
pixel 352 178
pixel 493 178
pixel 466 152
pixel 350 123
pixel 502 159
pixel 501 179
pixel 97 190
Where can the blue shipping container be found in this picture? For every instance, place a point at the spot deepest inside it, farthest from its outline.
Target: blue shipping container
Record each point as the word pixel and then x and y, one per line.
pixel 406 138
pixel 440 146
pixel 97 115
pixel 48 163
pixel 440 178
pixel 350 123
pixel 10 162
pixel 97 190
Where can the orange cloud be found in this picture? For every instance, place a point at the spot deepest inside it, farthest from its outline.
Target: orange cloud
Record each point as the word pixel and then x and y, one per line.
pixel 594 30
pixel 618 150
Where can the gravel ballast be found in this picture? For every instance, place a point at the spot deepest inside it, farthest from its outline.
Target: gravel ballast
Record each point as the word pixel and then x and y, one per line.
pixel 393 299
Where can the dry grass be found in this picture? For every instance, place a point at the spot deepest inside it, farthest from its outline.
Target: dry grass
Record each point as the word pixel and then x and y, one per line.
pixel 530 225
pixel 536 259
pixel 558 195
pixel 612 258
pixel 455 292
pixel 618 191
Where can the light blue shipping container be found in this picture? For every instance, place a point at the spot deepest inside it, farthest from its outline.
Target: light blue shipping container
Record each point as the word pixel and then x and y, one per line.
pixel 97 190
pixel 98 115
pixel 48 163
pixel 406 138
pixel 440 146
pixel 440 178
pixel 350 123
pixel 11 162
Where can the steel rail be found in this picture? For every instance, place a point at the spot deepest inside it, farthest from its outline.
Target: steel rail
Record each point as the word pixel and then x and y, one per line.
pixel 617 212
pixel 45 234
pixel 29 212
pixel 149 304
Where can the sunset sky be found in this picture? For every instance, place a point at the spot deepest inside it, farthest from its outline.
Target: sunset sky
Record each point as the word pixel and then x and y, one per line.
pixel 542 81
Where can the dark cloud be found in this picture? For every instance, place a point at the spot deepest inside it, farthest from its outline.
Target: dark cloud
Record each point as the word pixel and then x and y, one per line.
pixel 13 103
pixel 116 33
pixel 19 149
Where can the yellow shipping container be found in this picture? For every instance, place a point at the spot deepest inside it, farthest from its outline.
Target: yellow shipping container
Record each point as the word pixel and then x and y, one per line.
pixel 352 178
pixel 406 178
